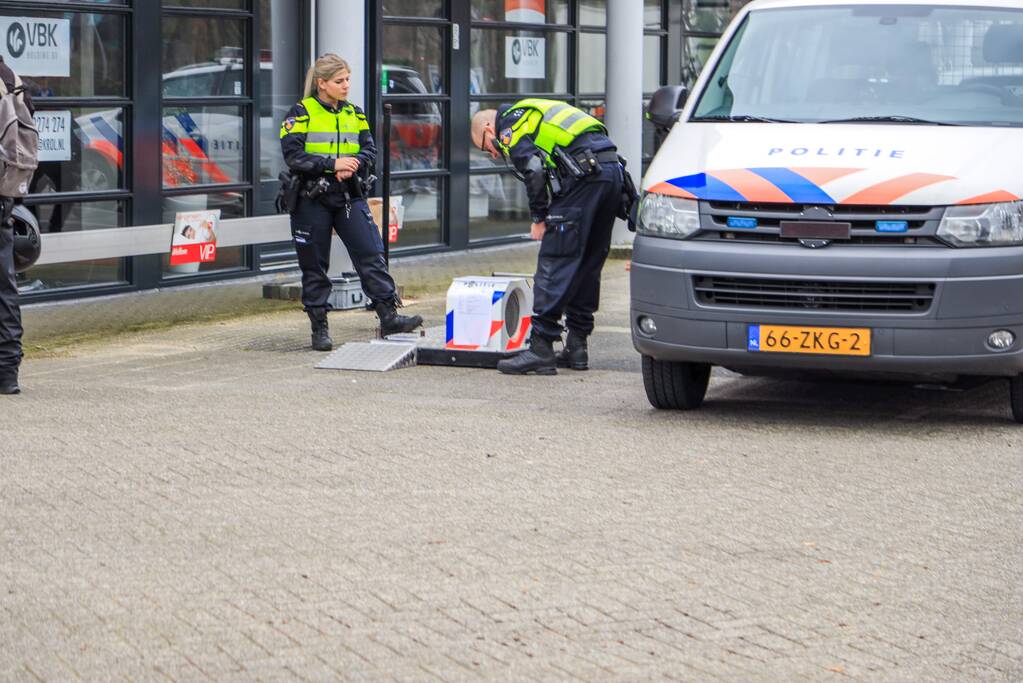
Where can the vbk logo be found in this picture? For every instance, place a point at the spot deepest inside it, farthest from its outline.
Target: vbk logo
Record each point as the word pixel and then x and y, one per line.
pixel 30 34
pixel 16 40
pixel 516 50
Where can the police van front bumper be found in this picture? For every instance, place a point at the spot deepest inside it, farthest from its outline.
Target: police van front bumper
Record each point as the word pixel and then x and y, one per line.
pixel 962 297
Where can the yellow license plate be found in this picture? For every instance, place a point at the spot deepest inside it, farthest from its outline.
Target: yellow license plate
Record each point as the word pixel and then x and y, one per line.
pixel 836 341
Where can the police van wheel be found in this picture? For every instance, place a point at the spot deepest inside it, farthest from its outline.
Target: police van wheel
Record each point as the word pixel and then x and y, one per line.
pixel 1016 397
pixel 672 385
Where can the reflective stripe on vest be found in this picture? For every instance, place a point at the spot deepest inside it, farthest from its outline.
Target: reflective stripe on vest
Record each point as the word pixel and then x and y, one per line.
pixel 332 135
pixel 560 123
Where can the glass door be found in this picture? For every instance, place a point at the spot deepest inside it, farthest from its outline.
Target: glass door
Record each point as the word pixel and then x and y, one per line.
pixel 518 49
pixel 415 67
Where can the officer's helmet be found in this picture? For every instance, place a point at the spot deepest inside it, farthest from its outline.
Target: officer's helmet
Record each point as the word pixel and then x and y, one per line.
pixel 28 243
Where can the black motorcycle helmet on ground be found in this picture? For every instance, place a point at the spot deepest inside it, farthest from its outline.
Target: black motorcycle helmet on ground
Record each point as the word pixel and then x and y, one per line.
pixel 28 243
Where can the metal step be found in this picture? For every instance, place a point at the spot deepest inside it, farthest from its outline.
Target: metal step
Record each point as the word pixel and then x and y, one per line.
pixel 398 351
pixel 375 356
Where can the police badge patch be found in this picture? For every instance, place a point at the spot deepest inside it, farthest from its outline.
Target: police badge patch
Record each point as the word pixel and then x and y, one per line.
pixel 506 137
pixel 289 123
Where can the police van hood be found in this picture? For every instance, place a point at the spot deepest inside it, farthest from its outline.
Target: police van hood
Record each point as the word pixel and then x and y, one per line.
pixel 866 164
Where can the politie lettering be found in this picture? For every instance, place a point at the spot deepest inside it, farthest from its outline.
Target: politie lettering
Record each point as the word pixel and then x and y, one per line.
pixel 848 152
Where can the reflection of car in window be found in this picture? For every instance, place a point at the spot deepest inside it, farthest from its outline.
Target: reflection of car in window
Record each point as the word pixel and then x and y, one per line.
pixel 201 144
pixel 415 126
pixel 415 140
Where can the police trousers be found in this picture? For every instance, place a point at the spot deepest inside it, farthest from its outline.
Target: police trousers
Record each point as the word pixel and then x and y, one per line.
pixel 574 247
pixel 311 225
pixel 10 312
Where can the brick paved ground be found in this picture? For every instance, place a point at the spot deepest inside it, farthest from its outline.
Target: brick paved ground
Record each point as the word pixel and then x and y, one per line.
pixel 199 503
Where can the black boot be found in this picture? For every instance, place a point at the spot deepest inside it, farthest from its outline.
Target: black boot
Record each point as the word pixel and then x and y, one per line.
pixel 391 322
pixel 321 331
pixel 9 382
pixel 575 354
pixel 539 359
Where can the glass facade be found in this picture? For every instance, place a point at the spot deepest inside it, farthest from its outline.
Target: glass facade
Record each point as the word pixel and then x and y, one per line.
pixel 206 91
pixel 518 49
pixel 134 134
pixel 82 94
pixel 137 133
pixel 415 80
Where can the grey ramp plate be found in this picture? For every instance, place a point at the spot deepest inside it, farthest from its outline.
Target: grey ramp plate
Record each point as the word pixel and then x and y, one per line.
pixel 370 356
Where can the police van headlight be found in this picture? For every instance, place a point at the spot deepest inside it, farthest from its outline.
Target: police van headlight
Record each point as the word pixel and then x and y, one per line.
pixel 983 225
pixel 661 215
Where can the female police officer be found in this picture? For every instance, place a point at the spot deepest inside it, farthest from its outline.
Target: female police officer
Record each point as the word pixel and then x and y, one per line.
pixel 326 141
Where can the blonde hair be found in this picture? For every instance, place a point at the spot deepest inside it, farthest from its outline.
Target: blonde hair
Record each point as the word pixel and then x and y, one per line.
pixel 325 67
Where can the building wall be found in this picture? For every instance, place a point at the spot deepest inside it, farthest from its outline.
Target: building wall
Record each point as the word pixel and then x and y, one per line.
pixel 171 105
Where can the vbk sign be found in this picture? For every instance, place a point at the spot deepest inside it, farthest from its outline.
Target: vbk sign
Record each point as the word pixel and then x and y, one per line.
pixel 525 57
pixel 35 46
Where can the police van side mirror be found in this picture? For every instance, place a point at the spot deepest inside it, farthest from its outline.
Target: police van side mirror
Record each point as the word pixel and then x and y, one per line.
pixel 666 106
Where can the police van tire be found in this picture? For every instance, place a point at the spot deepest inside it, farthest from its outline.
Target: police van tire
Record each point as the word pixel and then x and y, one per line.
pixel 1016 397
pixel 673 385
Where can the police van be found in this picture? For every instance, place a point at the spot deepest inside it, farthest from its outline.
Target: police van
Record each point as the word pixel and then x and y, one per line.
pixel 840 193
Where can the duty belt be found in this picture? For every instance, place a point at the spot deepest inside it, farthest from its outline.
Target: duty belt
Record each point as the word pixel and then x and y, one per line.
pixel 609 156
pixel 580 163
pixel 321 186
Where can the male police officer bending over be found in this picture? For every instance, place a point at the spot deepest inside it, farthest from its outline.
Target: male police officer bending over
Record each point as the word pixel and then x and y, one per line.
pixel 10 312
pixel 563 153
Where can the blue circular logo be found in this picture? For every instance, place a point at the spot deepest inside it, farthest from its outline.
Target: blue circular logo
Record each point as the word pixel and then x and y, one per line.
pixel 16 40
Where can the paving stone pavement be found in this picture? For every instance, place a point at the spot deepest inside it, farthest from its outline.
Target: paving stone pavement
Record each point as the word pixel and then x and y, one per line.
pixel 199 503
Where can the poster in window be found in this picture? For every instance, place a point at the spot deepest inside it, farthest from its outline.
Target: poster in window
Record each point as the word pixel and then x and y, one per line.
pixel 525 57
pixel 36 46
pixel 195 237
pixel 54 135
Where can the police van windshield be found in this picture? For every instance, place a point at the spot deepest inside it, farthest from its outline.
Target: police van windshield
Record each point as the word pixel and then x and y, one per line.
pixel 903 64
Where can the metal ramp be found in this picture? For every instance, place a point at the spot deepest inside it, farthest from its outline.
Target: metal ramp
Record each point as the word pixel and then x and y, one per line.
pixel 375 356
pixel 406 350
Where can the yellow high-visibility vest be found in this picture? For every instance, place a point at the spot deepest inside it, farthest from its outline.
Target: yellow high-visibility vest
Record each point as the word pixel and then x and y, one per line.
pixel 555 123
pixel 328 134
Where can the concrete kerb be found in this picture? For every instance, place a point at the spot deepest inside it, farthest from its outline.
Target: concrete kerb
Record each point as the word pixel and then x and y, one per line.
pixel 53 325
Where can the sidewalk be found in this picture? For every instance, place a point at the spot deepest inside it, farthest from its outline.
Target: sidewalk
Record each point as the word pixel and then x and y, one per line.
pixel 197 502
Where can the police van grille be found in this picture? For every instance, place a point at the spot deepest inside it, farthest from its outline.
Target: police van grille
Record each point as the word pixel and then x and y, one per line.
pixel 921 222
pixel 729 235
pixel 827 295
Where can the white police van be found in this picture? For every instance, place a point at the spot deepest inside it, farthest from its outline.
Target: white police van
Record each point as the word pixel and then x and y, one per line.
pixel 839 193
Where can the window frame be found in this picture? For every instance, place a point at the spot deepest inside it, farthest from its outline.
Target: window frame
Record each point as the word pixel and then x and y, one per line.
pixel 124 195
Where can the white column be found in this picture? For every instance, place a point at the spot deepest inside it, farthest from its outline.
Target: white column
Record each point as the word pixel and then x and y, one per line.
pixel 624 115
pixel 341 29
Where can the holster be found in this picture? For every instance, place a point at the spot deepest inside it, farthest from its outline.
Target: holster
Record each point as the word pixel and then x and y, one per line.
pixel 287 193
pixel 576 165
pixel 554 182
pixel 366 184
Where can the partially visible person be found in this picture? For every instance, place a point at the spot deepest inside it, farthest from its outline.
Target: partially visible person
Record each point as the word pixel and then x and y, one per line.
pixel 325 139
pixel 206 232
pixel 10 312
